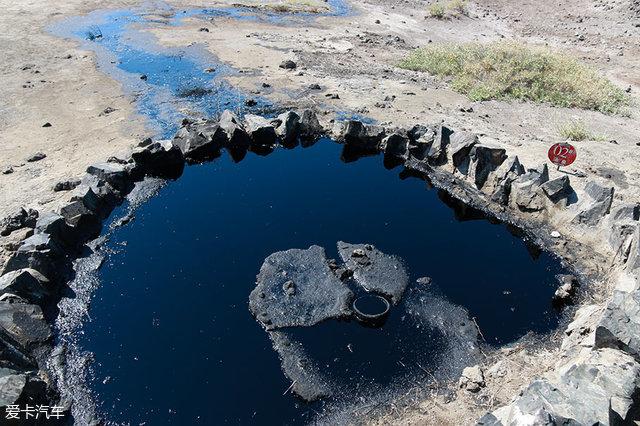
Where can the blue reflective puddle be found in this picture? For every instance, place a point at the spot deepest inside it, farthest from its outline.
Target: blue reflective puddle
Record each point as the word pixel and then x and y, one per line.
pixel 169 84
pixel 170 323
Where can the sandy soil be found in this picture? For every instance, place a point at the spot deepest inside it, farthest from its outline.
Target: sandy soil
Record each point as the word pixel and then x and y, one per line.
pixel 49 80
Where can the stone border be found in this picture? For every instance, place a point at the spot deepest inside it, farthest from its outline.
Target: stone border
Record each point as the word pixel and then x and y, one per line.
pixel 599 372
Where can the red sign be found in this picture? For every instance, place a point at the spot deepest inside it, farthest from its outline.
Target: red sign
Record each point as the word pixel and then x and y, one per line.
pixel 562 154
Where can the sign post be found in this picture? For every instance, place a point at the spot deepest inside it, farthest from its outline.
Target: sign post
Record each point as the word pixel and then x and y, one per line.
pixel 562 154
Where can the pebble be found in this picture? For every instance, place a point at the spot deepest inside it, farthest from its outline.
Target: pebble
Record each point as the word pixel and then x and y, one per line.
pixel 288 65
pixel 36 157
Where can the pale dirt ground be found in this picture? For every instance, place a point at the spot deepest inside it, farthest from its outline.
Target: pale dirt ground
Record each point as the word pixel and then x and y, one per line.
pixel 61 86
pixel 353 57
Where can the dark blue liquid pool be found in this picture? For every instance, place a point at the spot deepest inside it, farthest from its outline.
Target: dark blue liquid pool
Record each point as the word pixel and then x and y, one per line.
pixel 172 335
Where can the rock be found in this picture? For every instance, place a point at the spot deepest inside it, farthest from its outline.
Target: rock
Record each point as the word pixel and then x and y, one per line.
pixel 310 128
pixel 13 241
pixel 361 137
pixel 489 420
pixel 12 355
pixel 84 222
pixel 557 189
pixel 145 142
pixel 601 387
pixel 200 142
pixel 21 387
pixel 633 259
pixel 396 145
pixel 39 252
pixel 97 196
pixel 37 157
pixel 287 127
pixel 622 228
pixel 237 137
pixel 288 65
pixel 566 290
pixel 625 212
pixel 460 147
pixel 66 185
pixel 52 224
pixel 472 379
pixel 12 384
pixel 555 234
pixel 437 154
pixel 596 205
pixel 375 271
pixel 315 86
pixel 418 131
pixel 261 131
pixel 424 281
pixel 484 160
pixel 25 324
pixel 7 170
pixel 420 140
pixel 499 183
pixel 160 159
pixel 40 241
pixel 108 110
pixel 619 326
pixel 26 283
pixel 17 220
pixel 319 294
pixel 580 332
pixel 597 387
pixel 116 175
pixel 524 190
